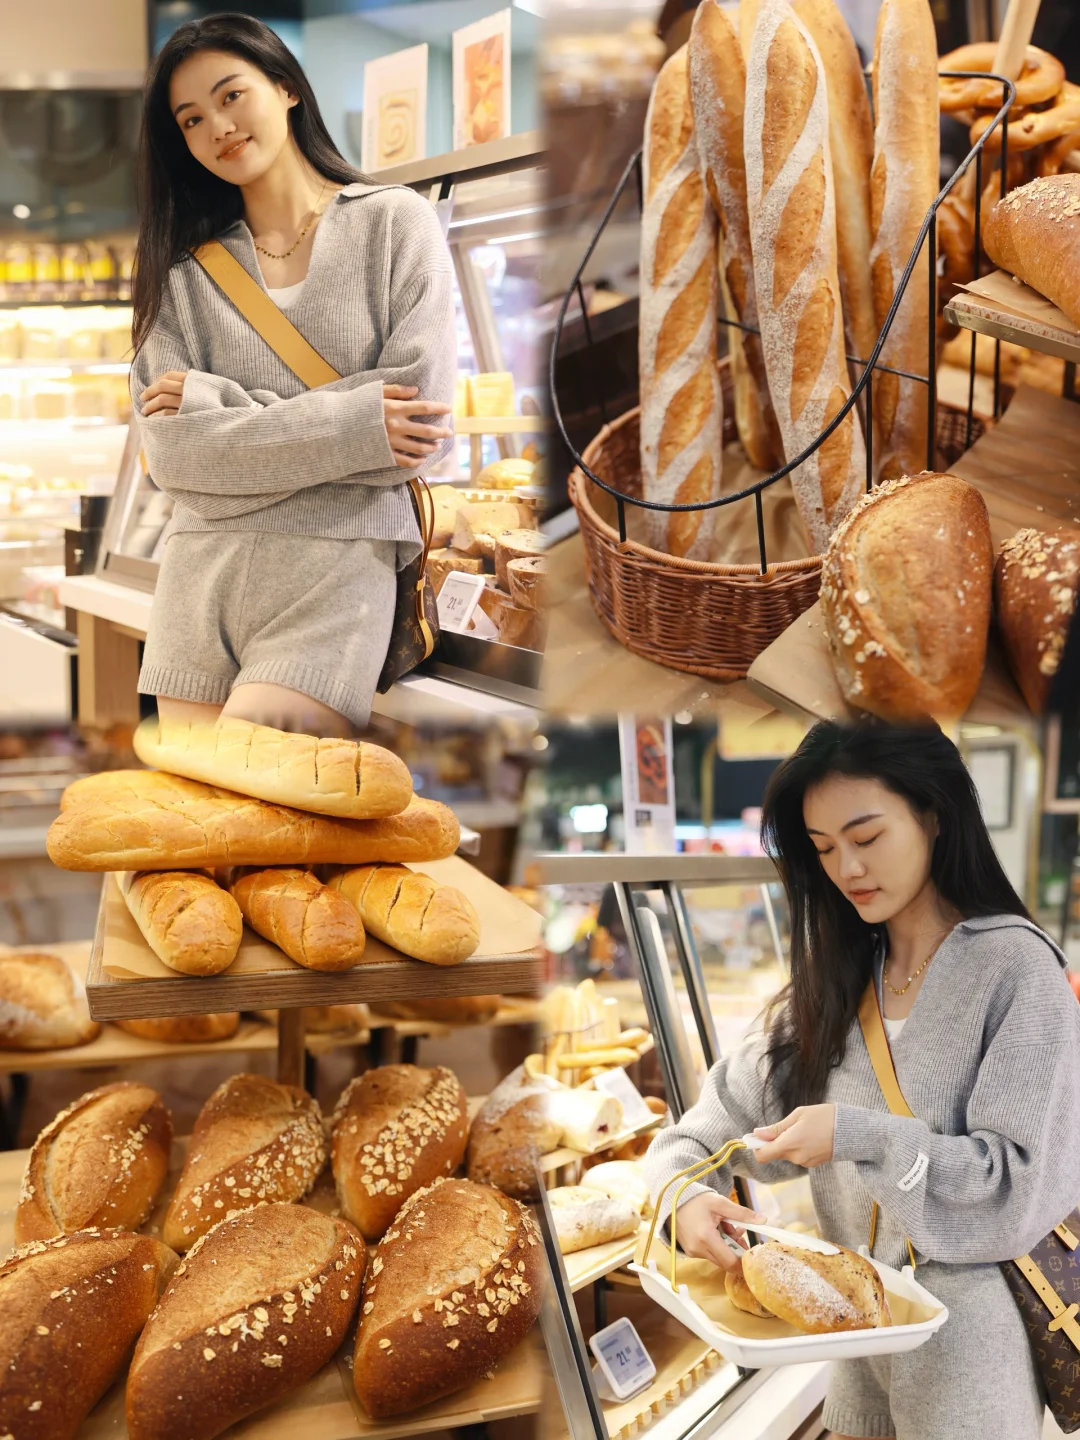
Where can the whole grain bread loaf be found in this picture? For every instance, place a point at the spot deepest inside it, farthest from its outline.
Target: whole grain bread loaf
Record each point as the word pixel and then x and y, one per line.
pixel 1034 234
pixel 42 1006
pixel 510 1132
pixel 1036 582
pixel 819 1293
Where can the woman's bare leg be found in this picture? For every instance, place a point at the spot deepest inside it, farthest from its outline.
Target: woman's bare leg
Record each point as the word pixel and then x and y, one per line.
pixel 194 710
pixel 285 709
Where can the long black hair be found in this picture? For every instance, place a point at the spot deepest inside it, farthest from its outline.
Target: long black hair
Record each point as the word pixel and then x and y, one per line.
pixel 181 203
pixel 832 947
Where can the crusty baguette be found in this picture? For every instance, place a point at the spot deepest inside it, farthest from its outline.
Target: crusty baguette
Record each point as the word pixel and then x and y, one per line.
pixel 681 402
pixel 584 1217
pixel 100 1162
pixel 410 911
pixel 905 597
pixel 818 1293
pixel 453 1288
pixel 510 1132
pixel 903 184
pixel 259 1306
pixel 70 1310
pixel 1036 582
pixel 395 1129
pixel 1034 234
pixel 184 1029
pixel 147 820
pixel 329 777
pixel 42 1007
pixel 790 193
pixel 190 922
pixel 254 1141
pixel 294 911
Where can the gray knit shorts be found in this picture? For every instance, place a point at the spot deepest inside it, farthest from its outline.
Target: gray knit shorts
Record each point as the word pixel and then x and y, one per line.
pixel 237 606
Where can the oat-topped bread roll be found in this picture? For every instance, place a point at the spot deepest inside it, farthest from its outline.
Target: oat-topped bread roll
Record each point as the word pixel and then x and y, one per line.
pixel 681 404
pixel 410 911
pixel 1034 234
pixel 1036 582
pixel 818 1293
pixel 184 1029
pixel 190 922
pixel 791 198
pixel 70 1311
pixel 903 184
pixel 147 820
pixel 453 1288
pixel 905 596
pixel 254 1140
pixel 259 1306
pixel 348 778
pixel 395 1129
pixel 509 1133
pixel 42 1006
pixel 309 922
pixel 101 1162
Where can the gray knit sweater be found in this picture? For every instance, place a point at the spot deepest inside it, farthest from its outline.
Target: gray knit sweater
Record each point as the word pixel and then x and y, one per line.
pixel 250 448
pixel 989 1061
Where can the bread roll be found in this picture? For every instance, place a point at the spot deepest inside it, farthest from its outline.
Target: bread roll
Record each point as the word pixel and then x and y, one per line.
pixel 583 1217
pixel 254 1141
pixel 348 778
pixel 101 1162
pixel 259 1306
pixel 441 563
pixel 395 1129
pixel 453 1288
pixel 505 474
pixel 510 1132
pixel 905 597
pixel 681 402
pixel 742 1297
pixel 188 920
pixel 410 911
pixel 311 924
pixel 42 1006
pixel 446 1010
pixel 818 1293
pixel 1034 234
pixel 903 184
pixel 1036 580
pixel 622 1180
pixel 184 1029
pixel 146 820
pixel 587 1119
pixel 70 1311
pixel 516 545
pixel 527 579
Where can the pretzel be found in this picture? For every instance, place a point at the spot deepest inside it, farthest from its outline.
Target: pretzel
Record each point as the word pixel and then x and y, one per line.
pixel 1038 127
pixel 1041 79
pixel 1050 160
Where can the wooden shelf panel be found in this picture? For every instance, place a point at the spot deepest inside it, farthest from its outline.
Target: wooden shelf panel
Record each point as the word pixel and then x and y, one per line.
pixel 584 1267
pixel 983 316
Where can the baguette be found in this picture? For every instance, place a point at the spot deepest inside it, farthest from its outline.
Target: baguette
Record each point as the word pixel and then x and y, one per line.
pixel 310 923
pixel 395 1129
pixel 70 1311
pixel 191 923
pixel 100 1162
pixel 42 1006
pixel 146 820
pixel 453 1288
pixel 410 911
pixel 790 194
pixel 259 1306
pixel 510 1132
pixel 1036 582
pixel 681 401
pixel 583 1217
pixel 1034 234
pixel 254 1141
pixel 184 1029
pixel 903 184
pixel 818 1293
pixel 329 777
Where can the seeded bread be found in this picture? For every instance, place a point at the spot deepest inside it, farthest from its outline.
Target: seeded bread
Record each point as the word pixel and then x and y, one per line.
pixel 41 1005
pixel 254 1140
pixel 395 1129
pixel 453 1288
pixel 259 1306
pixel 184 1029
pixel 70 1310
pixel 1034 234
pixel 818 1293
pixel 410 911
pixel 510 1132
pixel 1036 580
pixel 101 1162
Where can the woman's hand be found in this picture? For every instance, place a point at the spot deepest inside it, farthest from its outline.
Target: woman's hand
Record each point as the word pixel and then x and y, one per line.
pixel 702 1223
pixel 163 396
pixel 805 1137
pixel 410 441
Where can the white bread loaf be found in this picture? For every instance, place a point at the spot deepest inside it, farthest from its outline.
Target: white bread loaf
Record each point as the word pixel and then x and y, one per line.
pixel 309 922
pixel 410 911
pixel 587 1119
pixel 584 1217
pixel 622 1180
pixel 681 402
pixel 790 194
pixel 42 1006
pixel 190 923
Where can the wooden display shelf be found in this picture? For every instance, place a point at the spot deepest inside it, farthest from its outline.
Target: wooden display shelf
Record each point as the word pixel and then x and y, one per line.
pixel 998 306
pixel 585 1267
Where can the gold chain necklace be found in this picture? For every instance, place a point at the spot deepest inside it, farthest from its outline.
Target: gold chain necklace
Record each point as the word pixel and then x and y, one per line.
pixel 314 216
pixel 918 972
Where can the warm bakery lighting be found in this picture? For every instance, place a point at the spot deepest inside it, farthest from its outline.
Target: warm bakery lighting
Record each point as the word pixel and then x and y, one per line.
pixel 589 819
pixel 21 212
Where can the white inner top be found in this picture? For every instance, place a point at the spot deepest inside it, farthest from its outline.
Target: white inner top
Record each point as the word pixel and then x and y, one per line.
pixel 286 294
pixel 893 1027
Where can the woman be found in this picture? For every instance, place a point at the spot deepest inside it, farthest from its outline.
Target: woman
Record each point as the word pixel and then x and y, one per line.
pixel 890 874
pixel 277 587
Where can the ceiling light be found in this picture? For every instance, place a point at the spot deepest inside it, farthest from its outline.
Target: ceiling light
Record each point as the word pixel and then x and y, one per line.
pixel 21 212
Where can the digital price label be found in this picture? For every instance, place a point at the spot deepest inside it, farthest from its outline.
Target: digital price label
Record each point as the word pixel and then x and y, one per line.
pixel 625 1365
pixel 458 599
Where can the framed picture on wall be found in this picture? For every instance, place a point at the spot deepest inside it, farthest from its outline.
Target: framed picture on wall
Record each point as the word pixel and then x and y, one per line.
pixel 481 61
pixel 1062 769
pixel 395 109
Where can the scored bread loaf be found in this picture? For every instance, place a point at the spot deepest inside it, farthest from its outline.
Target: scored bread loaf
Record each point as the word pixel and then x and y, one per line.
pixel 742 1297
pixel 1034 234
pixel 584 1217
pixel 188 920
pixel 454 1286
pixel 147 820
pixel 311 924
pixel 70 1310
pixel 510 1132
pixel 1036 582
pixel 790 194
pixel 410 911
pixel 349 778
pixel 818 1293
pixel 905 597
pixel 184 1029
pixel 42 1006
pixel 681 402
pixel 903 184
pixel 254 1140
pixel 259 1306
pixel 395 1129
pixel 100 1162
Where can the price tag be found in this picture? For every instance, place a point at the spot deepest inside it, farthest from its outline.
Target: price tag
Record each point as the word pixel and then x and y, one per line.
pixel 618 1083
pixel 624 1362
pixel 458 598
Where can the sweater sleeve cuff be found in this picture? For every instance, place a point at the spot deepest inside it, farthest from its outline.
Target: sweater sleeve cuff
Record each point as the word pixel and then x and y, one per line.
pixel 371 447
pixel 860 1135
